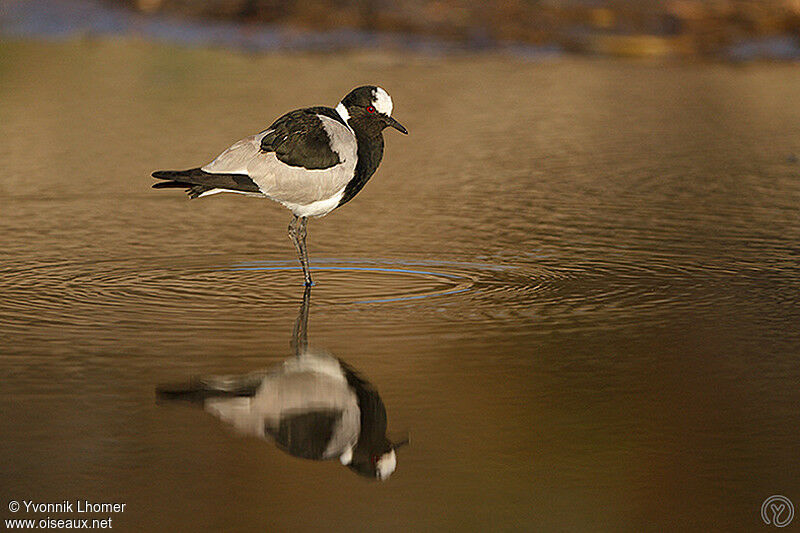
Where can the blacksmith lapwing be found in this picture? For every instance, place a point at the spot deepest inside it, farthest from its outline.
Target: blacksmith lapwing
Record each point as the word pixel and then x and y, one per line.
pixel 311 160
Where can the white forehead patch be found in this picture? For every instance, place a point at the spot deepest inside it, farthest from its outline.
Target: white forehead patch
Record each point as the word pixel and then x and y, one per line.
pixel 388 461
pixel 382 101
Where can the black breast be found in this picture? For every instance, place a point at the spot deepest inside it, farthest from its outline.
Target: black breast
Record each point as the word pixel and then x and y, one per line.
pixel 370 153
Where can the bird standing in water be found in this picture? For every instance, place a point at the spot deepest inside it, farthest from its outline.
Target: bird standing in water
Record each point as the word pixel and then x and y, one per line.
pixel 311 160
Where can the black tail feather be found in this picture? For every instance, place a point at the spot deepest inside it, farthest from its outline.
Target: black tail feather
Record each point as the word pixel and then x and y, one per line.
pixel 196 190
pixel 172 185
pixel 196 181
pixel 174 174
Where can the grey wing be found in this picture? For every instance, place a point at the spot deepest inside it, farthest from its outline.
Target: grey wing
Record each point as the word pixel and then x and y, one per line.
pixel 235 159
pixel 291 184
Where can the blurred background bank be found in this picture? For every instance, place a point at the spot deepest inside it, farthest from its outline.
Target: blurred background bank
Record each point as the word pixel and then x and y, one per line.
pixel 733 30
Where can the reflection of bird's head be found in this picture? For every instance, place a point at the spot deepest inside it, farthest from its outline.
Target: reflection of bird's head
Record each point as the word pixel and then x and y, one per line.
pixel 381 463
pixel 378 463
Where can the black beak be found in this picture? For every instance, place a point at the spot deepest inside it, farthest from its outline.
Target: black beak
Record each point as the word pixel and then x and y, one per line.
pixel 396 125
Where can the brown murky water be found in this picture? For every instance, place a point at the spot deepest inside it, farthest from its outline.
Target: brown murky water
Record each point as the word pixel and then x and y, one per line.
pixel 574 285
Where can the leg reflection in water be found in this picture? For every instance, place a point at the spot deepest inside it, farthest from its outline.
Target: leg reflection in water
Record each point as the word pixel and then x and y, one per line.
pixel 313 406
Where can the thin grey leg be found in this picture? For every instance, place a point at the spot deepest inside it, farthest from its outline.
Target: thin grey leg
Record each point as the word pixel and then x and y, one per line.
pixel 300 334
pixel 297 232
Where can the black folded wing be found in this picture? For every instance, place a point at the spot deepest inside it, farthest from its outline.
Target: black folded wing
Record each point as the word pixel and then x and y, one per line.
pixel 299 139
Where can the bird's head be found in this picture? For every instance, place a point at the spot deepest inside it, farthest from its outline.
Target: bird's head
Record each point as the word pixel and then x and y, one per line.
pixel 368 109
pixel 379 461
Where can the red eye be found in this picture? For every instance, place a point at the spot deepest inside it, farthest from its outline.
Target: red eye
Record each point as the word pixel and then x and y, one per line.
pixel 370 109
pixel 375 457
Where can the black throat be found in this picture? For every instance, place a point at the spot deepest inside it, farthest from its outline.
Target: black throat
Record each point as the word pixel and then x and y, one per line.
pixel 370 153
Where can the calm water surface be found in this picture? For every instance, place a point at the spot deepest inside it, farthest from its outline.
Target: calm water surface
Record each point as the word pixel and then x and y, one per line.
pixel 574 285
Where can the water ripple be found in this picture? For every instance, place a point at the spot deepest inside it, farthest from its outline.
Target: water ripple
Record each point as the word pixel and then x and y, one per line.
pixel 209 292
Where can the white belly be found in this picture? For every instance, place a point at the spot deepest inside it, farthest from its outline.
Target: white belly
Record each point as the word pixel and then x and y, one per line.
pixel 315 209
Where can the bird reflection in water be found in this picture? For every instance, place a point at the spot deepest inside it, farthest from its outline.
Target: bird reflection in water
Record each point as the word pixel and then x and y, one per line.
pixel 313 406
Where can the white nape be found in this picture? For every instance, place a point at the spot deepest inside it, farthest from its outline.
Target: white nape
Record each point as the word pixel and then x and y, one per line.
pixel 382 101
